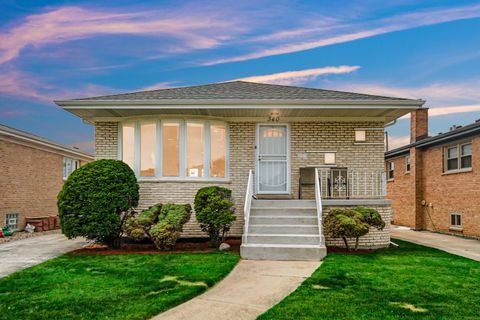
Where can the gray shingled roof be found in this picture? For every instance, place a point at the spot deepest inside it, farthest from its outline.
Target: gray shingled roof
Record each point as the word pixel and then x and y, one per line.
pixel 241 90
pixel 472 129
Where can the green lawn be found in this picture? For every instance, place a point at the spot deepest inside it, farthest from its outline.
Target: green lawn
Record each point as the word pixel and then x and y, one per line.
pixel 409 282
pixel 127 286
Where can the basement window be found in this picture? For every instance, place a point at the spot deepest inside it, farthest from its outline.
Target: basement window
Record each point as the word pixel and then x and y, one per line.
pixel 455 220
pixel 11 220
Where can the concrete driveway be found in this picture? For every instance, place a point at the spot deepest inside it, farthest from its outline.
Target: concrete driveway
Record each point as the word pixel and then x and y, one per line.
pixel 467 248
pixel 20 254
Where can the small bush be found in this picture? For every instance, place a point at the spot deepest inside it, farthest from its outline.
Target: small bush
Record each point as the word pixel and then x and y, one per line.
pixel 214 210
pixel 96 200
pixel 138 227
pixel 170 225
pixel 163 224
pixel 346 223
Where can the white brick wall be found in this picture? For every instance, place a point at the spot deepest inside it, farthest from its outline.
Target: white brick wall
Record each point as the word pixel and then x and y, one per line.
pixel 307 140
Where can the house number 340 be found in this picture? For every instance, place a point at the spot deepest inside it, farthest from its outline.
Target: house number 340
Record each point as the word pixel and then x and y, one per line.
pixel 274 117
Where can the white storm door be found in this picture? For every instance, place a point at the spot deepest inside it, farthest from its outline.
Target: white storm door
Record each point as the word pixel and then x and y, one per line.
pixel 273 159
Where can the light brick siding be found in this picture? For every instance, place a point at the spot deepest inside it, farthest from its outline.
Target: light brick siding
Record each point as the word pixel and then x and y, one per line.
pixel 30 180
pixel 374 239
pixel 308 140
pixel 447 193
pixel 106 140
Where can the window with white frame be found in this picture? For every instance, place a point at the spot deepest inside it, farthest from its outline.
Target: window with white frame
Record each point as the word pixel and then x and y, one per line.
pixel 11 220
pixel 407 164
pixel 458 157
pixel 390 170
pixel 175 149
pixel 456 219
pixel 69 165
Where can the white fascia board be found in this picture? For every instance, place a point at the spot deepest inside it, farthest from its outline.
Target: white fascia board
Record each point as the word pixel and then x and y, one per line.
pixel 238 104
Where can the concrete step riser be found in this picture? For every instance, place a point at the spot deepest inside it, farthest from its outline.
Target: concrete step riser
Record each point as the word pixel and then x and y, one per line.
pixel 310 221
pixel 283 212
pixel 275 253
pixel 265 239
pixel 277 229
pixel 283 203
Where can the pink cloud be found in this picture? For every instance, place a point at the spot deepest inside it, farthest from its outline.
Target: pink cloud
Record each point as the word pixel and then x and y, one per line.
pixel 72 23
pixel 396 23
pixel 27 86
pixel 300 76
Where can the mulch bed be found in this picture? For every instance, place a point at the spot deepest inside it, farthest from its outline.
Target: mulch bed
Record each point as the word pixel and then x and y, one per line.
pixel 344 250
pixel 183 246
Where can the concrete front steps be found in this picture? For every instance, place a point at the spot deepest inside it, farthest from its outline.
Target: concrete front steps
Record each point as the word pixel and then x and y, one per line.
pixel 283 230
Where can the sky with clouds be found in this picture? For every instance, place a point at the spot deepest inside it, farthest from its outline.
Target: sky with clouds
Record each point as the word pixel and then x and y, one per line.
pixel 71 49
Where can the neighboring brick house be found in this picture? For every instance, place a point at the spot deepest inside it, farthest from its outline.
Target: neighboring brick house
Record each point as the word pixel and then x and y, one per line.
pixel 434 182
pixel 32 170
pixel 254 139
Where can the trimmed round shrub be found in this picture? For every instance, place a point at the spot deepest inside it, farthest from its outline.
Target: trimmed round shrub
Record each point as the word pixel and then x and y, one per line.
pixel 96 199
pixel 347 223
pixel 214 210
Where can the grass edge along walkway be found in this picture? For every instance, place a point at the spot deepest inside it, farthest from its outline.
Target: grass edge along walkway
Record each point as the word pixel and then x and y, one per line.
pixel 408 282
pixel 124 286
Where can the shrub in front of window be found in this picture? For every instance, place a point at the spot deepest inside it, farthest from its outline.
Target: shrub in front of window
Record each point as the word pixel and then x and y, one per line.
pixel 96 200
pixel 347 223
pixel 163 224
pixel 214 210
pixel 170 225
pixel 138 227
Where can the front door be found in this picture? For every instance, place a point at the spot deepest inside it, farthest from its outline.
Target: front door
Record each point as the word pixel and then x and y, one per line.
pixel 273 167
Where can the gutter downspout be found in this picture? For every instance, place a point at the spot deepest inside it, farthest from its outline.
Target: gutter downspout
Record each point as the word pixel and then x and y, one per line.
pixel 391 123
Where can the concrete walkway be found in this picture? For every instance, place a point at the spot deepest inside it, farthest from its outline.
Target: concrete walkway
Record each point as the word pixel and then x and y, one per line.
pixel 455 245
pixel 250 289
pixel 20 254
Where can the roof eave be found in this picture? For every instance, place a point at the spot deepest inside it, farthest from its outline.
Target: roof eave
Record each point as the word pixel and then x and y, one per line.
pixel 206 103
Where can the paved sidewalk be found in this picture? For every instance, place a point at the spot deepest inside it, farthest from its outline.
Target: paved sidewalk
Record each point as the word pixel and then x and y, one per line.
pixel 250 289
pixel 460 246
pixel 20 254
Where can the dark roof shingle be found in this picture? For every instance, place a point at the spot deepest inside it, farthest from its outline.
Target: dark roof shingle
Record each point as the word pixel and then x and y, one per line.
pixel 241 90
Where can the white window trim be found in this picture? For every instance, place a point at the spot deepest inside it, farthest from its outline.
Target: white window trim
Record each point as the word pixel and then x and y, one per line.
pixel 456 227
pixel 388 171
pixel 74 163
pixel 408 161
pixel 182 147
pixel 459 158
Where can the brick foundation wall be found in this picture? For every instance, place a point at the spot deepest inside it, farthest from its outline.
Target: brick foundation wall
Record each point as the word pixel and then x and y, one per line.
pixel 374 239
pixel 308 140
pixel 30 180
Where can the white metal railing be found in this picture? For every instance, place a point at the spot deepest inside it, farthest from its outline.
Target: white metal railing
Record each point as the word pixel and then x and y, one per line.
pixel 342 183
pixel 248 204
pixel 318 201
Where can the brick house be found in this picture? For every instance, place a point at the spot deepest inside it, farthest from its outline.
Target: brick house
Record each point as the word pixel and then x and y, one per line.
pixel 434 182
pixel 288 154
pixel 33 170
